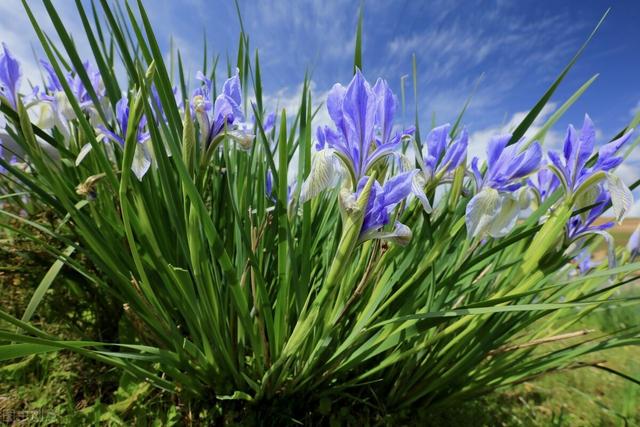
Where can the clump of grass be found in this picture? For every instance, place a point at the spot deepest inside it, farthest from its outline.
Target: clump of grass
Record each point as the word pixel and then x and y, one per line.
pixel 353 285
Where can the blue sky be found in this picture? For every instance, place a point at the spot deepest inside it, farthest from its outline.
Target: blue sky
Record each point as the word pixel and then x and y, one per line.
pixel 518 46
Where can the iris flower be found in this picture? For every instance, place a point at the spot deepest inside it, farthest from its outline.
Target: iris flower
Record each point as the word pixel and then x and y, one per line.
pixel 224 114
pixel 443 156
pixel 583 225
pixel 544 183
pixel 589 184
pixel 580 225
pixel 383 199
pixel 580 179
pixel 363 119
pixel 10 76
pixel 363 135
pixel 633 245
pixel 55 108
pixel 501 194
pixel 584 262
pixel 142 157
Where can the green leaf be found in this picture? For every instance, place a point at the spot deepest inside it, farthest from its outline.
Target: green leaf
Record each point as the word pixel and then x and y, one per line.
pixel 14 351
pixel 357 56
pixel 542 133
pixel 531 116
pixel 45 283
pixel 237 395
pixel 491 310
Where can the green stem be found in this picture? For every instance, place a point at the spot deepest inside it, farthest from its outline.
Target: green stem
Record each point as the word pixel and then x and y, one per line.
pixel 352 223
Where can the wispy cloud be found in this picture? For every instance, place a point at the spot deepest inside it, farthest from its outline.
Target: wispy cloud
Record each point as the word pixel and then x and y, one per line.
pixel 16 31
pixel 289 98
pixel 500 42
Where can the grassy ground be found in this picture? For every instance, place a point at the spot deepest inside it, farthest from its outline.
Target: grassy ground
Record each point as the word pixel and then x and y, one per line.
pixel 65 389
pixel 587 396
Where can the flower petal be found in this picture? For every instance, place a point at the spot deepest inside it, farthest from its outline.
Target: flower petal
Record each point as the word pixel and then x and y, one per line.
pixel 607 159
pixel 436 143
pixel 54 82
pixel 608 238
pixel 495 148
pixel 86 148
pixel 401 235
pixel 359 107
pixel 621 196
pixel 507 214
pixel 335 99
pixel 243 138
pixel 456 153
pixel 141 161
pixel 633 245
pixel 325 173
pixel 233 91
pixel 10 75
pixel 385 109
pixel 380 152
pixel 417 188
pixel 398 187
pixel 481 211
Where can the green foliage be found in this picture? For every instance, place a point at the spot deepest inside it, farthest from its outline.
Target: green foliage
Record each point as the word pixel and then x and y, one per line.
pixel 230 296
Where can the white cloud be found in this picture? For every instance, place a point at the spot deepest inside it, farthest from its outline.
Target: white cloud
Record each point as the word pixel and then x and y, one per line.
pixel 16 31
pixel 290 98
pixel 458 46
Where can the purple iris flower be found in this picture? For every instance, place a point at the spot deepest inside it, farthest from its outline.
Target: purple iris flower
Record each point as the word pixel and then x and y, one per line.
pixel 507 165
pixel 544 183
pixel 269 189
pixel 501 194
pixel 122 119
pixel 579 225
pixel 75 83
pixel 633 245
pixel 584 262
pixel 582 181
pixel 269 123
pixel 56 109
pixel 363 119
pixel 591 184
pixel 363 134
pixel 583 225
pixel 142 157
pixel 10 76
pixel 442 155
pixel 571 165
pixel 2 169
pixel 158 111
pixel 215 115
pixel 383 199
